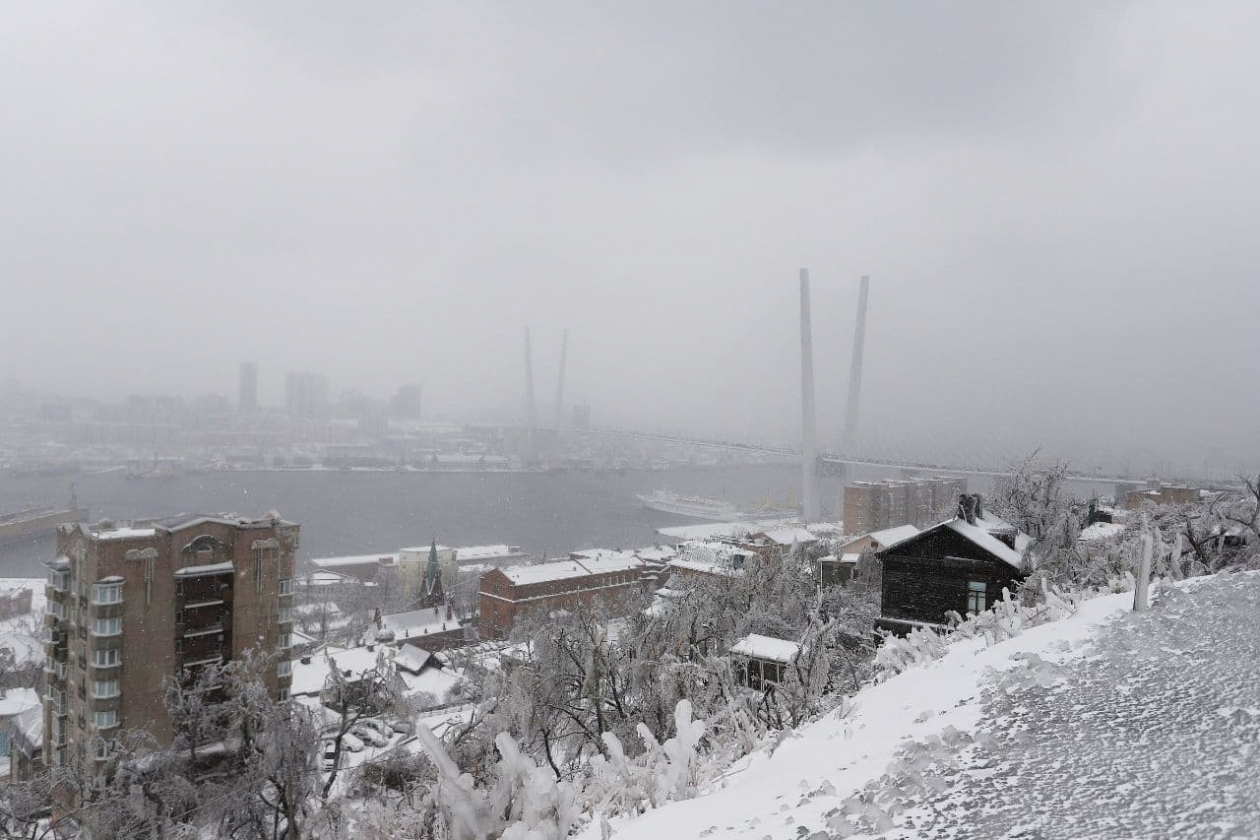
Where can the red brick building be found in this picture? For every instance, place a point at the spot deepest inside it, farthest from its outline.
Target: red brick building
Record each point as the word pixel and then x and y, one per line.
pixel 507 594
pixel 129 607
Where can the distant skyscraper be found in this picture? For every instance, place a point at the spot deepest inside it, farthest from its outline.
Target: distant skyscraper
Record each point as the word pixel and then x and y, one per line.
pixel 249 387
pixel 305 395
pixel 407 401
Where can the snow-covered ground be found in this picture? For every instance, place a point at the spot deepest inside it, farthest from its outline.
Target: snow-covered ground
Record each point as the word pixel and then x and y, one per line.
pixel 1105 724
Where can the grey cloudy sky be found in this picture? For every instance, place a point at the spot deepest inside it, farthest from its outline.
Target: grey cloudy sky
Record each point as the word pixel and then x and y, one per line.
pixel 1054 201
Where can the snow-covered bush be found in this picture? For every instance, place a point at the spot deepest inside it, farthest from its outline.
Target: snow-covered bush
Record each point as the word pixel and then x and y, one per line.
pixel 1004 620
pixel 662 773
pixel 524 801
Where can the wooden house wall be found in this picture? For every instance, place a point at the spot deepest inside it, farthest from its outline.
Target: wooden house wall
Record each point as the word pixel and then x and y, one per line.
pixel 927 578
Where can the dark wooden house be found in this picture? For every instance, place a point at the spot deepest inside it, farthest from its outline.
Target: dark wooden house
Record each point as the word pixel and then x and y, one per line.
pixel 957 566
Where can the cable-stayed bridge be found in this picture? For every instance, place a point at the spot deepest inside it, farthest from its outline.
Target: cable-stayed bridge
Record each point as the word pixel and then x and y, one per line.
pixel 833 464
pixel 814 461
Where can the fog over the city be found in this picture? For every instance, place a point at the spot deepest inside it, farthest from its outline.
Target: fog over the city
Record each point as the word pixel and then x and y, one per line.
pixel 1054 202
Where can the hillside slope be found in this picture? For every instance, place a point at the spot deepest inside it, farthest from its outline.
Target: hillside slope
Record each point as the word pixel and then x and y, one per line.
pixel 1106 724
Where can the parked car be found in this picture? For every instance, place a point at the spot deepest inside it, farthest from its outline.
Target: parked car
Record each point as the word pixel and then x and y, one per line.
pixel 383 729
pixel 402 727
pixel 368 735
pixel 328 754
pixel 351 742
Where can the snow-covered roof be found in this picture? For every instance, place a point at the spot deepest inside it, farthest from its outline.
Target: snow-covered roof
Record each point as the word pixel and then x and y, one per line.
pixel 544 572
pixel 310 678
pixel 1101 531
pixel 353 560
pixel 712 531
pixel 892 536
pixel 704 567
pixel 581 564
pixel 26 649
pixel 476 553
pixel 765 647
pixel 434 681
pixel 850 558
pixel 789 536
pixel 30 724
pixel 600 560
pixel 408 625
pixel 985 540
pixel 411 658
pixel 325 579
pixel 18 700
pixel 656 553
pixel 126 533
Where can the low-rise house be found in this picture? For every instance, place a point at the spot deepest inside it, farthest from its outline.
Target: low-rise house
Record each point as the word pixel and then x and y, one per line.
pixel 762 660
pixel 879 540
pixel 26 744
pixel 28 658
pixel 15 702
pixel 1165 494
pixel 707 560
pixel 412 672
pixel 960 566
pixel 506 594
pixel 432 628
pixel 14 601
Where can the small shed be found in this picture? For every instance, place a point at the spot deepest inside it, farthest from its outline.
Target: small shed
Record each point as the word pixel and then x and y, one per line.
pixel 762 660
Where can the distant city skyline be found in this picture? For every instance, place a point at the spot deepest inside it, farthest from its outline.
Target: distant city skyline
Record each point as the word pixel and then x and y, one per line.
pixel 1057 251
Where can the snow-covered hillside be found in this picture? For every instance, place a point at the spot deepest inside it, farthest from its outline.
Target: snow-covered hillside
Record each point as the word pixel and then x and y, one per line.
pixel 1105 724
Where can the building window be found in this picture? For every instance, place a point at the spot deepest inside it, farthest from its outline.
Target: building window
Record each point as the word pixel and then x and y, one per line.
pixel 104 689
pixel 105 658
pixel 286 615
pixel 286 586
pixel 976 593
pixel 284 694
pixel 284 642
pixel 103 749
pixel 284 668
pixel 106 720
pixel 107 593
pixel 107 626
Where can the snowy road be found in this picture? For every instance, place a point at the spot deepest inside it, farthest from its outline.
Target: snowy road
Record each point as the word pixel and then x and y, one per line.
pixel 1104 725
pixel 1157 735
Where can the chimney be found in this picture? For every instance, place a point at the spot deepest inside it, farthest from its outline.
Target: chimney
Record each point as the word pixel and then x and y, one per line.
pixel 967 508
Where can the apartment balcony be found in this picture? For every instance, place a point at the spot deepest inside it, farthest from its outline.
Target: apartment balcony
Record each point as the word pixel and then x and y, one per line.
pixel 208 630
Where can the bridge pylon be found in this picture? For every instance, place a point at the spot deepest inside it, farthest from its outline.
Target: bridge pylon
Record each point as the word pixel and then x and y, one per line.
pixel 809 428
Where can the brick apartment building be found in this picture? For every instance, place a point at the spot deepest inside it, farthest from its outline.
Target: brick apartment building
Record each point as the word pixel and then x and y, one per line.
pixel 129 607
pixel 878 505
pixel 1164 494
pixel 507 594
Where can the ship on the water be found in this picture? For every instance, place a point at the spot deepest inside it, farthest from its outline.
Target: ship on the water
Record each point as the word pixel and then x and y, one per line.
pixel 35 521
pixel 695 507
pixel 40 520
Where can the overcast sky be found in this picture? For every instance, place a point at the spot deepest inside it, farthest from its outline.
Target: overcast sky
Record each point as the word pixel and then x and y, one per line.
pixel 1056 203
